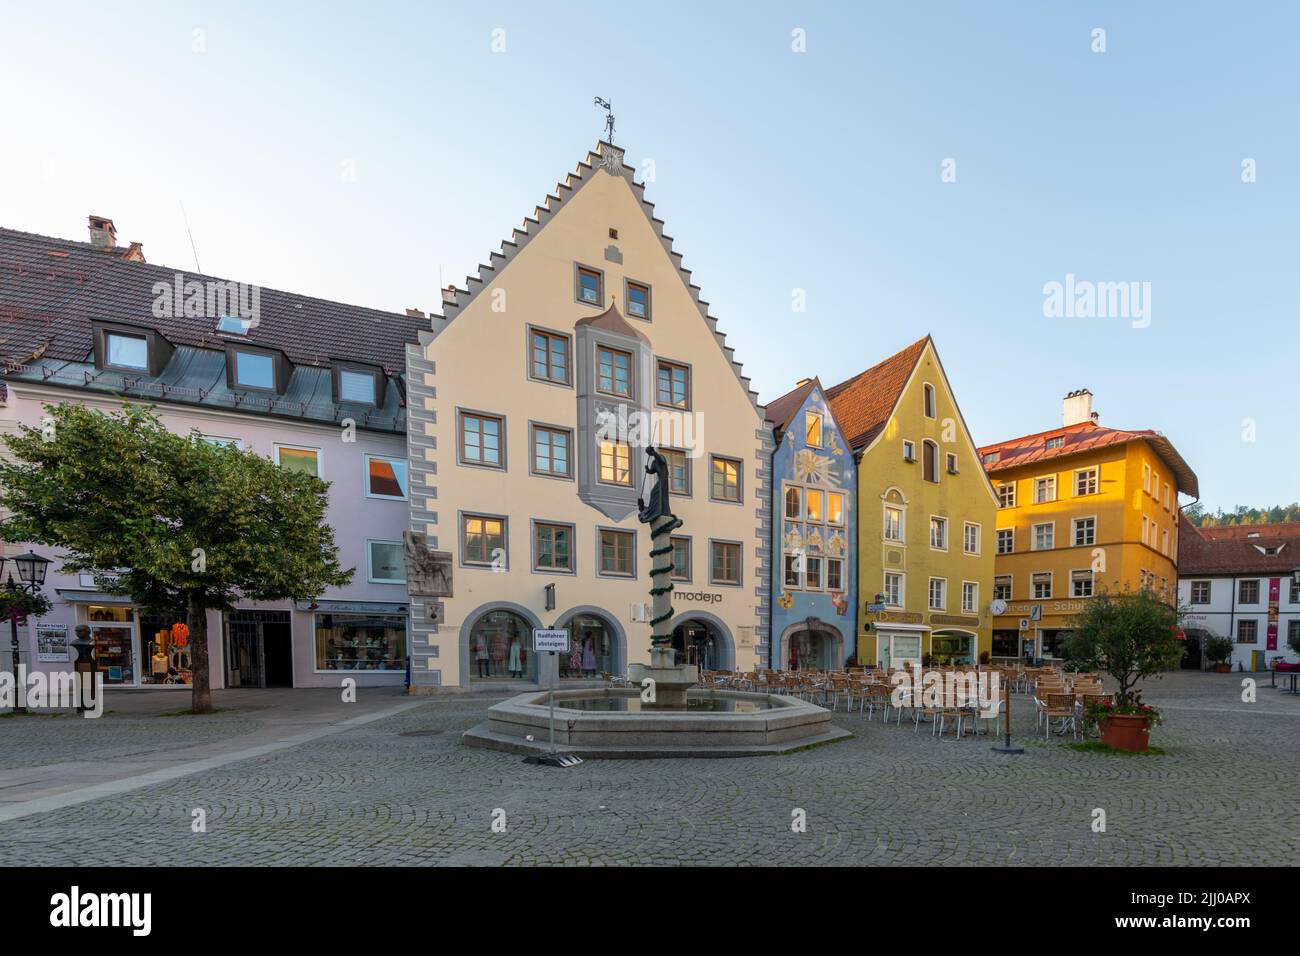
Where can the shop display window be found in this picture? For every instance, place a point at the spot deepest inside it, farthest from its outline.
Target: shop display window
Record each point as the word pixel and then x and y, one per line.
pixel 360 642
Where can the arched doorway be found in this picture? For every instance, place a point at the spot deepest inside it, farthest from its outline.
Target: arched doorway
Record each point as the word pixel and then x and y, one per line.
pixel 810 645
pixel 597 644
pixel 496 644
pixel 701 639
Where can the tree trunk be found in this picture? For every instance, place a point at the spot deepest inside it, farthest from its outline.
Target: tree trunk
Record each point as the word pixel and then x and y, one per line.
pixel 202 694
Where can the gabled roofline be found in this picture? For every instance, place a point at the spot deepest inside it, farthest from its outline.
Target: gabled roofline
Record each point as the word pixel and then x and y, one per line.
pixel 865 447
pixel 608 157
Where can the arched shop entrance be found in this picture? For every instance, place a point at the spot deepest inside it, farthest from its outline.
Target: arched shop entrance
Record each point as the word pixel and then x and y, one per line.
pixel 952 647
pixel 703 640
pixel 497 645
pixel 810 645
pixel 597 645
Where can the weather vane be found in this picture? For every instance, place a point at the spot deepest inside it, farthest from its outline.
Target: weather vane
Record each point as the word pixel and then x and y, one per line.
pixel 608 107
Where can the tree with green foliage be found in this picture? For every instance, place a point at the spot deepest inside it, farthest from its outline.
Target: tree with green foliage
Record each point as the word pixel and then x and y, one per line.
pixel 183 523
pixel 1129 636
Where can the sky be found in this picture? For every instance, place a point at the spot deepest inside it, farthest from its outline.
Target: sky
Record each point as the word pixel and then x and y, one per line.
pixel 903 168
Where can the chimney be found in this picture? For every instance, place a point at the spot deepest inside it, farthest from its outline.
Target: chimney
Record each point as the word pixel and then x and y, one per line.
pixel 1077 408
pixel 135 253
pixel 802 382
pixel 103 234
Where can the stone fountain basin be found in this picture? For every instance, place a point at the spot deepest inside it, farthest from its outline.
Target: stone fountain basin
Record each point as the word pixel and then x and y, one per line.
pixel 783 724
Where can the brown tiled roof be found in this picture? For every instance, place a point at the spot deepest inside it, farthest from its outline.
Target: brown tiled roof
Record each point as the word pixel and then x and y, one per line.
pixel 863 404
pixel 51 289
pixel 1085 436
pixel 1228 550
pixel 779 411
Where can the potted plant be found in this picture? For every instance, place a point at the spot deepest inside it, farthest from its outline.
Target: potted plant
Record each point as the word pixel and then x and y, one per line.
pixel 984 658
pixel 1131 637
pixel 1218 651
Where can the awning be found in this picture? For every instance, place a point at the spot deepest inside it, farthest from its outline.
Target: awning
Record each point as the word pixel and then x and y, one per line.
pixel 79 596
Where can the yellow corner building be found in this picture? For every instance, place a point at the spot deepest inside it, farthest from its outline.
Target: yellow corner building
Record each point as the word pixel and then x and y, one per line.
pixel 1081 509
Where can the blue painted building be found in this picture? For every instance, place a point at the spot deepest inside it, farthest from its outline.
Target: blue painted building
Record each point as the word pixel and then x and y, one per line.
pixel 814 527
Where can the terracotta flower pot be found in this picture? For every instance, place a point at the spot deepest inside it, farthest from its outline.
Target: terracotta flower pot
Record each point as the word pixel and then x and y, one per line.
pixel 1126 732
pixel 1223 668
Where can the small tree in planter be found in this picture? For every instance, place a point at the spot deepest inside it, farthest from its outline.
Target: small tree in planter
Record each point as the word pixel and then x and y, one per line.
pixel 1131 637
pixel 1218 651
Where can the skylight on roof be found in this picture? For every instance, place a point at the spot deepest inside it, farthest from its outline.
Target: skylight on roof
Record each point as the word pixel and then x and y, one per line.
pixel 234 325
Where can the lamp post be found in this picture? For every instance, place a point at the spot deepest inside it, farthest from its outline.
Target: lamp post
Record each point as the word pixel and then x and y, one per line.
pixel 31 569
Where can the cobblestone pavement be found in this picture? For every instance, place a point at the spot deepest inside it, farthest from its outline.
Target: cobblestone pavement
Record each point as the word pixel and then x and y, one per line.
pixel 403 790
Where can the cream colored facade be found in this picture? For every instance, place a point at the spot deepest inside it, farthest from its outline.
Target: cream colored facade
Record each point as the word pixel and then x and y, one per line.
pixel 474 385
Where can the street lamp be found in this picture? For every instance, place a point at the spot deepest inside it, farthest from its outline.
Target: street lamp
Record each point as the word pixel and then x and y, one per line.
pixel 1295 575
pixel 31 570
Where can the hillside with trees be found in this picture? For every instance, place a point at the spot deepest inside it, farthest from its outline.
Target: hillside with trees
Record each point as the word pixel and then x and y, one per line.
pixel 1198 516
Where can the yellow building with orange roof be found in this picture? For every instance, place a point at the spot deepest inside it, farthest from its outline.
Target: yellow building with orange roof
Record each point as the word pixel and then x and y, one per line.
pixel 1081 509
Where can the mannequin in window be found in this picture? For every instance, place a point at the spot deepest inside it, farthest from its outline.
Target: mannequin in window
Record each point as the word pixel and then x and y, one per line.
pixel 516 653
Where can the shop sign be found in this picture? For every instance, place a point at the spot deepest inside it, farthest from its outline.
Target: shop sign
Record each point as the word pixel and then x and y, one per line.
pixel 52 642
pixel 704 597
pixel 954 619
pixel 901 617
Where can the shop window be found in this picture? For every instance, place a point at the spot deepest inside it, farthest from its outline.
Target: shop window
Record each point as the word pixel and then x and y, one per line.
pixel 113 631
pixel 591 648
pixel 500 648
pixel 360 642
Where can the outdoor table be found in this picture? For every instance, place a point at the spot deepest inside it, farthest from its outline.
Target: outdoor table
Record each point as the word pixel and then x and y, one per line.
pixel 1285 674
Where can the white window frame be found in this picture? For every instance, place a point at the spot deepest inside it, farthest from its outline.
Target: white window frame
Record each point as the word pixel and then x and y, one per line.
pixel 370 561
pixel 1011 585
pixel 902 588
pixel 902 524
pixel 974 587
pixel 1074 531
pixel 944 521
pixel 1034 489
pixel 1095 471
pixel 320 455
pixel 1033 536
pixel 365 477
pixel 811 416
pixel 1033 585
pixel 1092 582
pixel 1012 486
pixel 979 534
pixel 943 591
pixel 997 541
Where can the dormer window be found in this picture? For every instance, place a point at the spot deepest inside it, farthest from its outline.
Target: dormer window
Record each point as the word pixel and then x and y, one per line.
pixel 126 351
pixel 257 369
pixel 254 370
pixel 1056 442
pixel 358 384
